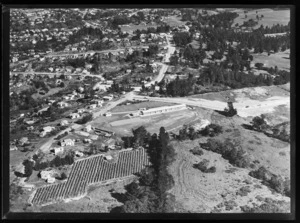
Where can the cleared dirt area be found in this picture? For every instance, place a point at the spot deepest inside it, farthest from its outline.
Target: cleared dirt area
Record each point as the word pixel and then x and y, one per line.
pixel 248 101
pixel 280 59
pixel 137 106
pixel 271 17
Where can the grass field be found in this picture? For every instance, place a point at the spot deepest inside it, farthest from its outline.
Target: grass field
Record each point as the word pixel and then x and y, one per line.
pixel 271 17
pixel 174 21
pixel 280 59
pixel 131 28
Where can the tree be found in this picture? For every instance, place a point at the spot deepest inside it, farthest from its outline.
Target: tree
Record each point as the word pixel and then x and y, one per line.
pixel 140 136
pixel 259 123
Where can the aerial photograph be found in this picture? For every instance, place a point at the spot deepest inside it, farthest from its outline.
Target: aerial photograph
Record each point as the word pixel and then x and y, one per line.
pixel 150 110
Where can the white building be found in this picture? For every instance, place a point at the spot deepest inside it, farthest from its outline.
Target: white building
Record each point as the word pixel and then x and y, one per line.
pixel 73 115
pixel 163 109
pixel 67 142
pixel 58 150
pixel 87 140
pixel 87 128
pixel 64 122
pixel 92 106
pixel 108 114
pixel 63 104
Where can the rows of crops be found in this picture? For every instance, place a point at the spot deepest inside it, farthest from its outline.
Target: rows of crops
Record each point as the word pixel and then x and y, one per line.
pixel 89 171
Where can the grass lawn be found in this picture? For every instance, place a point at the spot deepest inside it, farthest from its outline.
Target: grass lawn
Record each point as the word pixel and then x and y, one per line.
pixel 271 17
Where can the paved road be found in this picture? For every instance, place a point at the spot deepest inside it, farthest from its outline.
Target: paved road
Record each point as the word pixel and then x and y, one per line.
pixel 52 74
pixel 96 51
pixel 112 104
pixel 164 68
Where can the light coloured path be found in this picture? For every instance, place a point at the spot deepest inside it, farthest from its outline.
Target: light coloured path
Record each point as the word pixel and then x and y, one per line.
pixel 164 68
pixel 94 51
pixel 55 74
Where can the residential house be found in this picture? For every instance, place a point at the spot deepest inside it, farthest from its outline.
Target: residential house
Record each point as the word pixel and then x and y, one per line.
pixel 30 128
pixel 81 89
pixel 58 150
pixel 73 115
pixel 87 128
pixel 13 147
pixel 48 176
pixel 78 154
pixel 80 110
pixel 93 137
pixel 23 141
pixel 87 141
pixel 108 114
pixel 63 104
pixel 92 106
pixel 64 122
pixel 67 142
pixel 107 98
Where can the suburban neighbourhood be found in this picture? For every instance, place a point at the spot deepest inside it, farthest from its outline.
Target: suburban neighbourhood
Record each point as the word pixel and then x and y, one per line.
pixel 150 110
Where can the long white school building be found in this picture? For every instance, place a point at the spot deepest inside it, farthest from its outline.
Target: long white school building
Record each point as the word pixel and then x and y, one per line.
pixel 163 109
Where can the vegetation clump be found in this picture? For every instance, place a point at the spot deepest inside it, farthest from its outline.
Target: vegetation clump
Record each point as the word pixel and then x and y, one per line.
pixel 149 194
pixel 234 154
pixel 197 151
pixel 203 167
pixel 275 182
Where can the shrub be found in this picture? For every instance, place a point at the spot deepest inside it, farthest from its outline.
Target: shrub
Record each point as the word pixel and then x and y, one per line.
pixel 243 191
pixel 85 119
pixel 197 151
pixel 229 205
pixel 202 165
pixel 211 170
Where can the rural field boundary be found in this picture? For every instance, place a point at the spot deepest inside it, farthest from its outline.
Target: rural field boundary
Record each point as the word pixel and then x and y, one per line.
pixel 91 171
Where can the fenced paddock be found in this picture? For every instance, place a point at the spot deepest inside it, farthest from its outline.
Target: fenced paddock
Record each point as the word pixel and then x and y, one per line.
pixel 94 170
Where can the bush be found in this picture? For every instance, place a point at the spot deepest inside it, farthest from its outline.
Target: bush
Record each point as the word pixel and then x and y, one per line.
pixel 197 151
pixel 85 119
pixel 203 167
pixel 28 168
pixel 243 191
pixel 229 205
pixel 275 182
pixel 235 156
pixel 211 170
pixel 211 130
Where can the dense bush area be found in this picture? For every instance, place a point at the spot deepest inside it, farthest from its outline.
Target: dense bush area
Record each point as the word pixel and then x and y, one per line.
pixel 58 161
pixel 189 132
pixel 235 155
pixel 268 206
pixel 275 182
pixel 85 119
